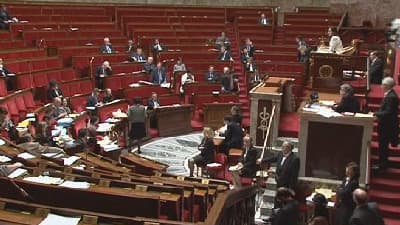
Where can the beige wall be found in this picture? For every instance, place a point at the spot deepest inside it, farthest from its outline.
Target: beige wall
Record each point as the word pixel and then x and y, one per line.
pixel 377 11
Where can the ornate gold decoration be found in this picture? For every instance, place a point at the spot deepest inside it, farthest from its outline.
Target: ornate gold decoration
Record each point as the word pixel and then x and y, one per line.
pixel 264 116
pixel 325 71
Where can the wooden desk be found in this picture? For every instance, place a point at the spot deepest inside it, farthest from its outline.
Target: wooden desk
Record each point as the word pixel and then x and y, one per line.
pixel 174 120
pixel 143 165
pixel 328 144
pixel 214 114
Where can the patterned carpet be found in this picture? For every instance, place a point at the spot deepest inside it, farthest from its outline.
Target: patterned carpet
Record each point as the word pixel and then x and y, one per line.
pixel 173 151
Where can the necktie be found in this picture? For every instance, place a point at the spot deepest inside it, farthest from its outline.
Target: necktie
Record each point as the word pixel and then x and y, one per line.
pixel 223 57
pixel 159 77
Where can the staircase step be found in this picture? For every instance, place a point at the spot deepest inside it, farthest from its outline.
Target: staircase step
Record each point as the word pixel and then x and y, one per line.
pixel 384 184
pixel 390 211
pixel 389 221
pixel 393 151
pixel 386 197
pixel 394 161
pixel 269 196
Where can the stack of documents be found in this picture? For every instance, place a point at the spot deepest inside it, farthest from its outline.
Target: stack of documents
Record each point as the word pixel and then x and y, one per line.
pixel 52 219
pixel 44 180
pixel 75 184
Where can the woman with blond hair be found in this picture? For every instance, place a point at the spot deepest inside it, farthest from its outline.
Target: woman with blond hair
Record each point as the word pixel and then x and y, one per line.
pixel 207 150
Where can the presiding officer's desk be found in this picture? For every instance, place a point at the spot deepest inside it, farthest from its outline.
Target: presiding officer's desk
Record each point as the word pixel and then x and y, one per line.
pixel 327 142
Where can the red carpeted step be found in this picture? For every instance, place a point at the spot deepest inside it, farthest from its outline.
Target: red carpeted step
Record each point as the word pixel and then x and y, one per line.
pixel 196 125
pixel 389 221
pixel 246 122
pixel 389 211
pixel 244 101
pixel 289 125
pixel 385 197
pixel 153 133
pixel 389 173
pixel 394 161
pixel 384 184
pixel 393 151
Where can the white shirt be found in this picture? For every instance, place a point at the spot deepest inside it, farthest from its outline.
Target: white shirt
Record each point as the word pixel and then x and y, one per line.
pixel 283 160
pixel 185 79
pixel 335 44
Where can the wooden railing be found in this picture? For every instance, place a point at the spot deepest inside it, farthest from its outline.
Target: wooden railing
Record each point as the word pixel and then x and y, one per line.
pixel 233 207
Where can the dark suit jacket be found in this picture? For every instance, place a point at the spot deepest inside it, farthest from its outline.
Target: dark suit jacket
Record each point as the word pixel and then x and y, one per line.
pixel 211 77
pixel 233 136
pixel 248 67
pixel 150 103
pixel 4 72
pixel 149 67
pixel 155 78
pixel 366 215
pixel 130 48
pixel 288 214
pixel 103 49
pixel 388 123
pixel 52 93
pixel 92 101
pixel 225 56
pixel 251 49
pixel 207 153
pixel 136 58
pixel 4 15
pixel 346 204
pixel 155 49
pixel 244 58
pixel 376 71
pixel 348 104
pixel 249 163
pixel 286 174
pixel 226 82
pixel 100 70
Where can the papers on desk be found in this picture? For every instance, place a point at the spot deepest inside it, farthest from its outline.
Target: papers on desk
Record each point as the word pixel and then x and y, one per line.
pixel 75 184
pixel 326 192
pixel 51 155
pixel 134 85
pixel 363 115
pixel 104 127
pixel 329 113
pixel 110 147
pixel 214 164
pixel 17 173
pixel 4 159
pixel 321 110
pixel 119 114
pixel 145 82
pixel 44 180
pixel 112 120
pixel 26 155
pixel 70 160
pixel 2 142
pixel 52 219
pixel 165 85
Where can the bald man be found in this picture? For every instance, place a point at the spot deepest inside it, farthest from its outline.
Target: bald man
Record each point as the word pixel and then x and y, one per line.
pixel 365 213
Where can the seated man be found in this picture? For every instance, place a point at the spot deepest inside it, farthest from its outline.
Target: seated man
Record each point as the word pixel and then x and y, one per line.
pixel 229 81
pixel 6 18
pixel 6 170
pixel 225 55
pixel 107 47
pixel 159 76
pixel 93 99
pixel 138 56
pixel 250 47
pixel 102 71
pixel 54 91
pixel 26 142
pixel 233 136
pixel 7 127
pixel 9 77
pixel 288 212
pixel 211 76
pixel 186 78
pixel 247 166
pixel 179 66
pixel 263 20
pixel 131 47
pixel 222 40
pixel 58 110
pixel 251 65
pixel 108 97
pixel 288 166
pixel 244 55
pixel 158 47
pixel 348 103
pixel 149 65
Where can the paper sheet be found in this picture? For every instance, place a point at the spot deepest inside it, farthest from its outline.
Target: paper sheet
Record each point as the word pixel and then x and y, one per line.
pixel 17 173
pixel 26 155
pixel 4 159
pixel 70 160
pixel 44 180
pixel 213 164
pixel 75 184
pixel 52 219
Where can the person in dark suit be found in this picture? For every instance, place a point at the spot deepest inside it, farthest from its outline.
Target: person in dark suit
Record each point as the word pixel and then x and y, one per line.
pixel 302 49
pixel 287 168
pixel 137 118
pixel 222 40
pixel 236 114
pixel 288 213
pixel 375 72
pixel 107 47
pixel 207 151
pixel 263 20
pixel 348 102
pixel 158 47
pixel 251 65
pixel 345 204
pixel 211 76
pixel 250 47
pixel 153 102
pixel 149 65
pixel 108 97
pixel 138 56
pixel 5 17
pixel 366 213
pixel 233 136
pixel 225 55
pixel 244 56
pixel 388 123
pixel 229 81
pixel 93 99
pixel 102 71
pixel 247 166
pixel 54 91
pixel 8 76
pixel 320 206
pixel 159 76
pixel 131 47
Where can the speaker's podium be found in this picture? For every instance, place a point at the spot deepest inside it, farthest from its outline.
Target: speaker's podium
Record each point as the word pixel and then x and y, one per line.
pixel 326 71
pixel 328 141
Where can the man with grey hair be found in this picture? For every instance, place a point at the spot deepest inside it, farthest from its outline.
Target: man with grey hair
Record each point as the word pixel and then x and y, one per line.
pixel 107 48
pixel 348 103
pixel 287 168
pixel 366 213
pixel 388 123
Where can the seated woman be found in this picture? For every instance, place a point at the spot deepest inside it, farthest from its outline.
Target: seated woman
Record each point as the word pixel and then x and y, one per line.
pixel 207 150
pixel 247 166
pixel 335 43
pixel 348 102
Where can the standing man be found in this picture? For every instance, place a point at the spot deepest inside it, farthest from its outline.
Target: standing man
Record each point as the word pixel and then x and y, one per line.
pixel 375 72
pixel 388 123
pixel 250 47
pixel 102 71
pixel 287 168
pixel 137 119
pixel 157 47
